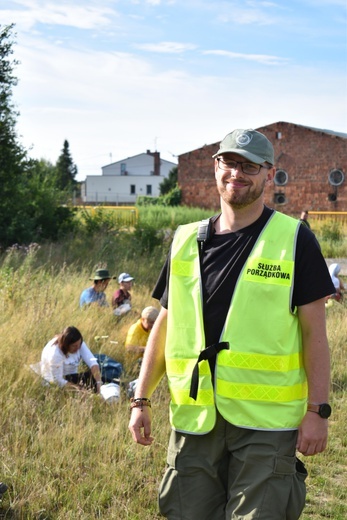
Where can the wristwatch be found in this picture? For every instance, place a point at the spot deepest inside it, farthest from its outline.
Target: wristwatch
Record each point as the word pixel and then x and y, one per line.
pixel 323 409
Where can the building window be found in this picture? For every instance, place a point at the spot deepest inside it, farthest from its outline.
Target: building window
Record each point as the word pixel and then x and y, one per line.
pixel 132 189
pixel 281 178
pixel 123 169
pixel 336 177
pixel 148 189
pixel 280 198
pixel 332 197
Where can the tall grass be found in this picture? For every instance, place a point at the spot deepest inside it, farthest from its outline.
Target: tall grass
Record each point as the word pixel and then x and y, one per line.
pixel 332 236
pixel 64 457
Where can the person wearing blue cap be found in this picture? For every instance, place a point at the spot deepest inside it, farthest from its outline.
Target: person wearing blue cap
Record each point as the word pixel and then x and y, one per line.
pixel 241 336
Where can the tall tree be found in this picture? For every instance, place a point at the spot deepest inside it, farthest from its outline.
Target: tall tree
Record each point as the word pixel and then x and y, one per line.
pixel 46 207
pixel 170 182
pixel 66 169
pixel 30 206
pixel 12 155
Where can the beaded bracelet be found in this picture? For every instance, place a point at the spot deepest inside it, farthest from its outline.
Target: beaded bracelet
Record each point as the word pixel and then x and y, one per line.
pixel 139 402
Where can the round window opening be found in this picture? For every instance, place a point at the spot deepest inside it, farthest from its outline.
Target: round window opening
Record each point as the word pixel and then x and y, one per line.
pixel 280 198
pixel 336 177
pixel 281 177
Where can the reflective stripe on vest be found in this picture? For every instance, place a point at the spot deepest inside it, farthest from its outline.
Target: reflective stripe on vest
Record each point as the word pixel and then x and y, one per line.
pixel 260 381
pixel 186 338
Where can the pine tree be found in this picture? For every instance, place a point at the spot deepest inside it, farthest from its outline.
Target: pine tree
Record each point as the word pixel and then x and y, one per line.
pixel 66 169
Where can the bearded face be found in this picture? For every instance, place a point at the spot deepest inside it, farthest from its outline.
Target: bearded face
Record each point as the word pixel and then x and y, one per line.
pixel 238 189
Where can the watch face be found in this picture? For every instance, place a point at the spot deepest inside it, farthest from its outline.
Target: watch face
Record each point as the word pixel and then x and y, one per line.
pixel 325 410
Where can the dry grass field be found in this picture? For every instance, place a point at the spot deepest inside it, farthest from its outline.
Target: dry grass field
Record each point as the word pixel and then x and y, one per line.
pixel 67 458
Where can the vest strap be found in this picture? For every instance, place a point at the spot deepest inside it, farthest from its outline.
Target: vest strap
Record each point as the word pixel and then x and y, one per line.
pixel 208 353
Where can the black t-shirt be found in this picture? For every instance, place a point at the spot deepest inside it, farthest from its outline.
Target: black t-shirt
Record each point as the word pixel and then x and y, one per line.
pixel 222 260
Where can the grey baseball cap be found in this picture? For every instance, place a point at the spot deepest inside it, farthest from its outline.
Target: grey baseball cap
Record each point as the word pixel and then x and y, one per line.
pixel 252 145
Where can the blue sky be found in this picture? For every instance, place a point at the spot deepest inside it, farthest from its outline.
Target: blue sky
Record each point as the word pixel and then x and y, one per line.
pixel 116 78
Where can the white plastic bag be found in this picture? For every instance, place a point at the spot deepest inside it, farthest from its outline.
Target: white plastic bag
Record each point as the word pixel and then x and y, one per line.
pixel 122 309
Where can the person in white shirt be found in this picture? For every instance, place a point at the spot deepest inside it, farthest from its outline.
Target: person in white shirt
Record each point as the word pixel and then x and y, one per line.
pixel 61 358
pixel 334 270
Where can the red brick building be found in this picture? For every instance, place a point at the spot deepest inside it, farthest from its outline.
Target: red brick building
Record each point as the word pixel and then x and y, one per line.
pixel 311 171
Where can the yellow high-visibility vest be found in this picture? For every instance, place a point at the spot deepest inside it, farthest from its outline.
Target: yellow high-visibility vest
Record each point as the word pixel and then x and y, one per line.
pixel 260 381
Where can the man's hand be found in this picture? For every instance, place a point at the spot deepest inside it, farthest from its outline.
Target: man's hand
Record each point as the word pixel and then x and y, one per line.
pixel 140 425
pixel 313 434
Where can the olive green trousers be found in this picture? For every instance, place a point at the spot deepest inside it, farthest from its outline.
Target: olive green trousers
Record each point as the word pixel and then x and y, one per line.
pixel 233 473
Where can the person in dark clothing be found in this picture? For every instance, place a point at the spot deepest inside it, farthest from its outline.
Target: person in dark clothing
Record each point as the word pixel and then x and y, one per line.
pixel 304 219
pixel 241 336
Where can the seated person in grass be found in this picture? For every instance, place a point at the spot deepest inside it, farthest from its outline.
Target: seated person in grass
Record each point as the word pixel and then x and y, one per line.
pixel 334 270
pixel 137 336
pixel 121 299
pixel 61 358
pixel 96 293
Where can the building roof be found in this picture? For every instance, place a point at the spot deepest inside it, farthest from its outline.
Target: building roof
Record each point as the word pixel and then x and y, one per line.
pixel 329 132
pixel 325 131
pixel 139 155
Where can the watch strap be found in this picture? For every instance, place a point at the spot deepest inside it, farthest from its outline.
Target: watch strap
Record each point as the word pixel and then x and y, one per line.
pixel 322 409
pixel 313 407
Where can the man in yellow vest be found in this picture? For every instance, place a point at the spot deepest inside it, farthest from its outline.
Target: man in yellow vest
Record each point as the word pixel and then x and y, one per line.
pixel 241 336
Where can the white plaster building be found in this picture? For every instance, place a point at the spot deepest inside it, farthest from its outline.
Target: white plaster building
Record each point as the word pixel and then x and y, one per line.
pixel 123 181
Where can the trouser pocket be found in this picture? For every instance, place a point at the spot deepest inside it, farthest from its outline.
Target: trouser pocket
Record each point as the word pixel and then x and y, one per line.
pixel 191 488
pixel 297 497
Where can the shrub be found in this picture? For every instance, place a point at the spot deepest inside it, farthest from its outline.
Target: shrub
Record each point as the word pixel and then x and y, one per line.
pixel 144 200
pixel 172 198
pixel 331 231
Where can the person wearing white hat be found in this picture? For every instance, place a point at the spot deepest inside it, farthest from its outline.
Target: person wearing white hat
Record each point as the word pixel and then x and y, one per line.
pixel 121 299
